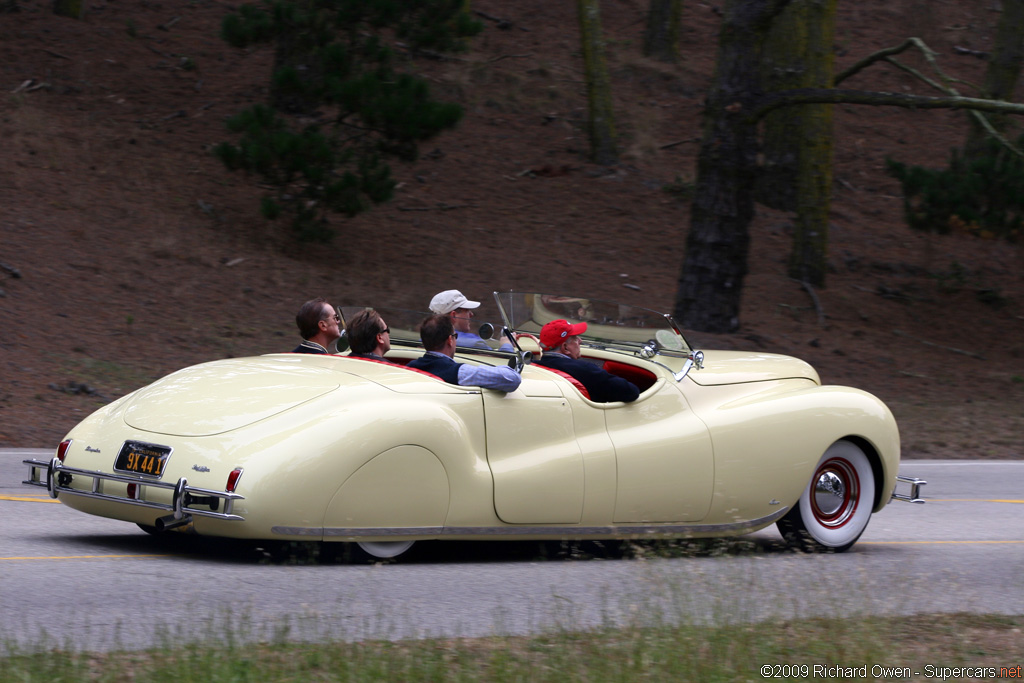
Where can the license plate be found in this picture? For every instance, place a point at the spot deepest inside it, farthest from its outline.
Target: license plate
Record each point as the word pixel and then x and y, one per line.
pixel 142 458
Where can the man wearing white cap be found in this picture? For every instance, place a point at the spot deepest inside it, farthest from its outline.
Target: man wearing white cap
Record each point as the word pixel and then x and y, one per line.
pixel 455 305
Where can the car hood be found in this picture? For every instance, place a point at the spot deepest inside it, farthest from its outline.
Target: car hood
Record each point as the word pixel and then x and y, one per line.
pixel 218 397
pixel 737 367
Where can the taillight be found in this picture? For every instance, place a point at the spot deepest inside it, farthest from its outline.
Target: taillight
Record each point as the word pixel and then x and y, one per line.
pixel 62 449
pixel 133 491
pixel 233 479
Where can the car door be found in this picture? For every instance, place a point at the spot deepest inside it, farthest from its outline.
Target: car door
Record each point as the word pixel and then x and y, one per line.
pixel 664 458
pixel 534 455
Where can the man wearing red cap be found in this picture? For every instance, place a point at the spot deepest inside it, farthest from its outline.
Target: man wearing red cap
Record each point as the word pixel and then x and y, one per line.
pixel 560 342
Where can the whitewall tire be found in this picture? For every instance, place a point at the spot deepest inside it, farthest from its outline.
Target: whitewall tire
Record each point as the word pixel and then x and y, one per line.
pixel 835 508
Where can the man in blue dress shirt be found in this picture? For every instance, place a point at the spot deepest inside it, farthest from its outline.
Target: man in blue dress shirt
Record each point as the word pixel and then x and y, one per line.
pixel 439 339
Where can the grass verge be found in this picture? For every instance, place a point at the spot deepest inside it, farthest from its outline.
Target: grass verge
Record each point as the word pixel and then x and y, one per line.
pixel 923 647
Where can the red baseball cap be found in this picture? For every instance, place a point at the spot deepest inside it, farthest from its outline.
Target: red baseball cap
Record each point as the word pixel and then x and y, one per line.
pixel 554 334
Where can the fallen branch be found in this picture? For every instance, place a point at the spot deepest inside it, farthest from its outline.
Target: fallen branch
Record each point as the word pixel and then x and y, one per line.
pixel 501 57
pixel 971 53
pixel 439 207
pixel 679 142
pixel 502 23
pixel 167 26
pixel 972 354
pixel 814 297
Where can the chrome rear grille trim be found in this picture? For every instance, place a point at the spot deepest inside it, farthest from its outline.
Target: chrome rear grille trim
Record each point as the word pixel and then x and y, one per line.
pixel 54 468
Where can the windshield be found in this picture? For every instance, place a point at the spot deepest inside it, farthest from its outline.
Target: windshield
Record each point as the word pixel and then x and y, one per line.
pixel 609 324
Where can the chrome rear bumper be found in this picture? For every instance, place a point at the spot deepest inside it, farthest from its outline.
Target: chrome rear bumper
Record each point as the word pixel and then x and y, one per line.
pixel 915 489
pixel 180 510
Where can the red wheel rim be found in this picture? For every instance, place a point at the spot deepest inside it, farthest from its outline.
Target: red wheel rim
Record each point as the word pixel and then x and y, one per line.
pixel 835 493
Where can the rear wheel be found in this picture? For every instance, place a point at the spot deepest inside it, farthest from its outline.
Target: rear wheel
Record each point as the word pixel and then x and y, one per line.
pixel 384 550
pixel 835 508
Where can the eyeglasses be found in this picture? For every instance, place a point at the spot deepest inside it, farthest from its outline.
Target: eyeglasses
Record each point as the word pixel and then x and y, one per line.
pixel 386 330
pixel 455 334
pixel 336 317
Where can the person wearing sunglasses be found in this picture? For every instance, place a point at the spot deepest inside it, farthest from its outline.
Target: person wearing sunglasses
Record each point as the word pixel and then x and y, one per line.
pixel 368 336
pixel 439 339
pixel 319 325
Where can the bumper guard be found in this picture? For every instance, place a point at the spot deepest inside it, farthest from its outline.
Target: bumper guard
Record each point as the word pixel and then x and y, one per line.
pixel 915 490
pixel 56 478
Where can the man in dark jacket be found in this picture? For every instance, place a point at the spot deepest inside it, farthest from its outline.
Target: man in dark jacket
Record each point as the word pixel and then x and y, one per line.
pixel 368 335
pixel 319 324
pixel 439 339
pixel 560 342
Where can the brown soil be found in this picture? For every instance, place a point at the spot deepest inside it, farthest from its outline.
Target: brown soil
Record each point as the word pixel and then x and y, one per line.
pixel 137 253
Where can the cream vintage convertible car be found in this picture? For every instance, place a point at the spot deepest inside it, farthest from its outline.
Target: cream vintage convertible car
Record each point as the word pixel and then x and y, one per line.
pixel 337 449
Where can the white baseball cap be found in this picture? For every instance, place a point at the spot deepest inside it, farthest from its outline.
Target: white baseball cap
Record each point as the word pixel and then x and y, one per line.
pixel 450 300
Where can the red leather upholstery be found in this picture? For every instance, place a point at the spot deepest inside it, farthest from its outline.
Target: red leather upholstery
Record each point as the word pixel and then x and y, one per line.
pixel 642 378
pixel 569 378
pixel 400 363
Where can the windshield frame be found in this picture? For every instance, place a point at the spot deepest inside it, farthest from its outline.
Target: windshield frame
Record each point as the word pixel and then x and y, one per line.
pixel 611 325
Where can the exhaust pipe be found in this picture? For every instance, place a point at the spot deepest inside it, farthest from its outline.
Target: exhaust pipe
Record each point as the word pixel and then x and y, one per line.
pixel 169 522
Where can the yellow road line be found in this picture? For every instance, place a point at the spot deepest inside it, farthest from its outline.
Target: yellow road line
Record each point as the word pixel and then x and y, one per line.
pixel 938 542
pixel 82 557
pixel 973 500
pixel 30 499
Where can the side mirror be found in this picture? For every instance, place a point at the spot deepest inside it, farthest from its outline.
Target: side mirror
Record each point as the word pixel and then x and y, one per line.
pixel 486 331
pixel 518 362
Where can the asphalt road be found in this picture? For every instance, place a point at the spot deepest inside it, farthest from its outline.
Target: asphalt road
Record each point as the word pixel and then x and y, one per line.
pixel 72 580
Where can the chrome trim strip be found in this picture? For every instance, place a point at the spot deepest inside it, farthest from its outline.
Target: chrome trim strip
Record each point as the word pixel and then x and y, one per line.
pixel 915 490
pixel 539 530
pixel 179 488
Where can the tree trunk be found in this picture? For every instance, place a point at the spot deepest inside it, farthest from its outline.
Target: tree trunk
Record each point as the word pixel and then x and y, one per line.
pixel 601 121
pixel 783 67
pixel 715 264
pixel 661 38
pixel 808 258
pixel 1002 73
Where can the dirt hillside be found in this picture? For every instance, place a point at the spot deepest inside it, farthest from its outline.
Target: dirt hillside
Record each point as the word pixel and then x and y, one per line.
pixel 128 251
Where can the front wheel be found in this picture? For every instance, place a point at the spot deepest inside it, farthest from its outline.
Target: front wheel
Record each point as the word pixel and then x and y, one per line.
pixel 835 508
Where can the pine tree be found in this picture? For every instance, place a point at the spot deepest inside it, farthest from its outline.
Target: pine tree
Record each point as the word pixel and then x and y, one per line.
pixel 342 100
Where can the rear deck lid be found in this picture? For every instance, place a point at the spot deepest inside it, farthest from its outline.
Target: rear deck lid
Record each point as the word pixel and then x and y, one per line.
pixel 218 397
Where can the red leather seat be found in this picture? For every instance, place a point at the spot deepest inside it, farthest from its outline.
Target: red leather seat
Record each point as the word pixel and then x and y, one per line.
pixel 572 380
